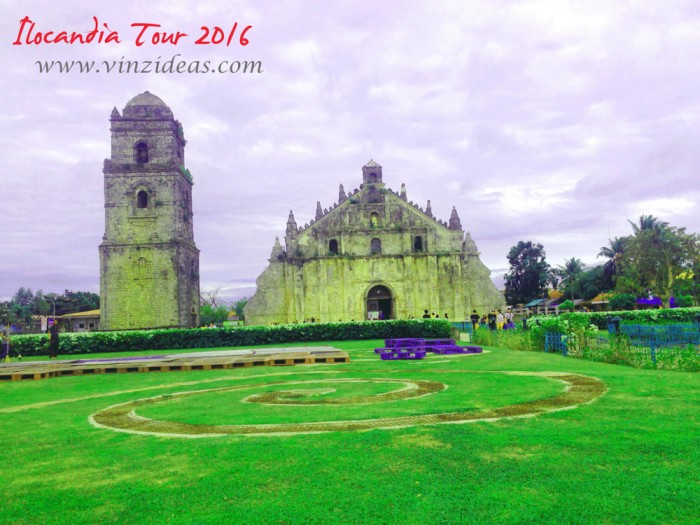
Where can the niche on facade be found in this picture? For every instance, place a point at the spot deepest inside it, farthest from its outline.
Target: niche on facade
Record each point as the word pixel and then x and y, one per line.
pixel 418 246
pixel 333 247
pixel 143 272
pixel 374 196
pixel 142 199
pixel 375 246
pixel 141 153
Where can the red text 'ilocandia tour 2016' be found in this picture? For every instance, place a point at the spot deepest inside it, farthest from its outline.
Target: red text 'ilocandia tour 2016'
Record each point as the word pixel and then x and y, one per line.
pixel 145 33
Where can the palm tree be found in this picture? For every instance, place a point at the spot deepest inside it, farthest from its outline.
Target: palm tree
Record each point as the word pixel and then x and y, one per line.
pixel 649 250
pixel 615 252
pixel 554 279
pixel 647 222
pixel 570 271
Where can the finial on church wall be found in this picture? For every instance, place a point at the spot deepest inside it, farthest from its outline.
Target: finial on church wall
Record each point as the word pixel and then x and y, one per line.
pixel 455 223
pixel 469 246
pixel 277 251
pixel 291 224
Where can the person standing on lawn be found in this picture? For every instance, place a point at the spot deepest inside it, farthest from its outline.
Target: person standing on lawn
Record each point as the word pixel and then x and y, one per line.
pixel 474 318
pixel 53 341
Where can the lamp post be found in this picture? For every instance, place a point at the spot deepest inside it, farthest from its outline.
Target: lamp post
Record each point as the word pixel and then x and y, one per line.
pixel 5 337
pixel 53 318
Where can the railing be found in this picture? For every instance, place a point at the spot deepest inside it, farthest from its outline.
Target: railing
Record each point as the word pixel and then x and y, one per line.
pixel 556 342
pixel 644 340
pixel 657 337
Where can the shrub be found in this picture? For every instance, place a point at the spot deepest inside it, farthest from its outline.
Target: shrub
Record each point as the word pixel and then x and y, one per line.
pixel 516 339
pixel 567 305
pixel 622 301
pixel 649 316
pixel 684 301
pixel 136 340
pixel 585 341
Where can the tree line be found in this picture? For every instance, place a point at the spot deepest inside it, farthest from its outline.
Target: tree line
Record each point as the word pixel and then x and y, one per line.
pixel 25 303
pixel 214 310
pixel 655 258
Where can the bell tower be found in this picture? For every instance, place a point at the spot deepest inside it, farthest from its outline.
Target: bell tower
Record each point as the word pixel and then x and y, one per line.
pixel 149 264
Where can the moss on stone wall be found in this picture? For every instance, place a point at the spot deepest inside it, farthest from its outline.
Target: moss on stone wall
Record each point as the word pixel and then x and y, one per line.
pixel 441 272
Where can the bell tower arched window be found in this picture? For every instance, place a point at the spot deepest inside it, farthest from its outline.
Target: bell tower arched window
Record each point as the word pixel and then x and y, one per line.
pixel 141 153
pixel 142 199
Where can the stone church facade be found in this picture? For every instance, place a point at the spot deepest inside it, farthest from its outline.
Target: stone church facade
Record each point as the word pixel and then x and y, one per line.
pixel 373 254
pixel 149 264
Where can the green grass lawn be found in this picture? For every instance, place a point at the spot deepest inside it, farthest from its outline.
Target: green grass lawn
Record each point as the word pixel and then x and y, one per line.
pixel 630 457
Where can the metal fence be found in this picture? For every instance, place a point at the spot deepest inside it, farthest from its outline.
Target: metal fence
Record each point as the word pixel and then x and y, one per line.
pixel 641 340
pixel 657 338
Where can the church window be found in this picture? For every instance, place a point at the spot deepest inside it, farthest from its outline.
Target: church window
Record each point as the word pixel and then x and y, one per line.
pixel 375 246
pixel 142 199
pixel 333 247
pixel 418 244
pixel 374 220
pixel 373 177
pixel 141 152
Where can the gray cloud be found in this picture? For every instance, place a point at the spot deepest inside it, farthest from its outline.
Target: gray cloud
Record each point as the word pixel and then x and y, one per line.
pixel 546 121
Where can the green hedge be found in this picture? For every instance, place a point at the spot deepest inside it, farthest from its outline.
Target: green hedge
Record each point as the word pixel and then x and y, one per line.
pixel 650 316
pixel 136 340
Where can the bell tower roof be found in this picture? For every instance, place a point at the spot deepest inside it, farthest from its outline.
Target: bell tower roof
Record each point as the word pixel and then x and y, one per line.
pixel 372 173
pixel 147 105
pixel 146 99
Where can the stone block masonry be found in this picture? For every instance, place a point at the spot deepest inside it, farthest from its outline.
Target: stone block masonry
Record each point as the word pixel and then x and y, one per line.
pixel 149 263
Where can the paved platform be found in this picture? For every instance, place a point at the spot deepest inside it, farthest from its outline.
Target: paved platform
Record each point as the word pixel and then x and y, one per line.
pixel 211 360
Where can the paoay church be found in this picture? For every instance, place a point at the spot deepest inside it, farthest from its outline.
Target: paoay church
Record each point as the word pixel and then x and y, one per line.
pixel 372 255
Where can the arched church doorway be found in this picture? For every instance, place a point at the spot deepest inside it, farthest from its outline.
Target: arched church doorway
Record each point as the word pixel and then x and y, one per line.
pixel 379 303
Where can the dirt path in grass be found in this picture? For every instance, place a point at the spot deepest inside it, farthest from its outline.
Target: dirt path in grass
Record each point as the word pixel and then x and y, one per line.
pixel 578 389
pixel 146 389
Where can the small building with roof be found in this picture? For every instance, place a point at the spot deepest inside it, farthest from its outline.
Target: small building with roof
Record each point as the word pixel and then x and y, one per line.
pixel 87 321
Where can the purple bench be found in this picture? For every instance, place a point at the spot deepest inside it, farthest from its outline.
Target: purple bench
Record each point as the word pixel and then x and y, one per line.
pixel 458 350
pixel 409 342
pixel 437 346
pixel 405 343
pixel 434 345
pixel 393 354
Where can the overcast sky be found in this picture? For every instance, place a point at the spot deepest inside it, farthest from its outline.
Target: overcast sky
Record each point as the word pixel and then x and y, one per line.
pixel 551 121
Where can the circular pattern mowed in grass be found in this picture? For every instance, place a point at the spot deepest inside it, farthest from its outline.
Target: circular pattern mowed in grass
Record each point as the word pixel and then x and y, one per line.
pixel 398 403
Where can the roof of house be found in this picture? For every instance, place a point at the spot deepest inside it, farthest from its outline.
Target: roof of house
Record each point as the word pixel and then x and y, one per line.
pixel 534 302
pixel 601 298
pixel 78 315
